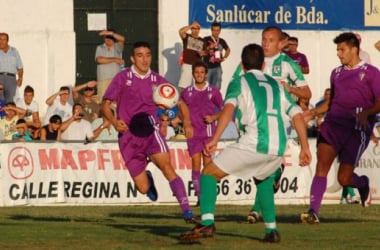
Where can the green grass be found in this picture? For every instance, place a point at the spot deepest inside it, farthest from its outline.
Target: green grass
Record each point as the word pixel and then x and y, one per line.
pixel 158 227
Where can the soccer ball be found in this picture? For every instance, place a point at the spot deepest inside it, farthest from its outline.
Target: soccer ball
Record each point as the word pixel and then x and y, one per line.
pixel 165 96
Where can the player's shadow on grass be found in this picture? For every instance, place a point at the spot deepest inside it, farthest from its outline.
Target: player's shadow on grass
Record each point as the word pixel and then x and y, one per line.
pixel 288 219
pixel 145 215
pixel 22 217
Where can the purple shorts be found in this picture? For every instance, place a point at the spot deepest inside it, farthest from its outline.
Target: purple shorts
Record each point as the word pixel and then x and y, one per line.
pixel 349 143
pixel 197 144
pixel 136 150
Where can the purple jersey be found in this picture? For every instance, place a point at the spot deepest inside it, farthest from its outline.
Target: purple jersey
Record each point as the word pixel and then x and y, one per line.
pixel 353 90
pixel 299 58
pixel 133 93
pixel 202 102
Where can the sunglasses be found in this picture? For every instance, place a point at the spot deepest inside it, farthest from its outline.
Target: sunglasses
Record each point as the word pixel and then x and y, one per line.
pixel 89 89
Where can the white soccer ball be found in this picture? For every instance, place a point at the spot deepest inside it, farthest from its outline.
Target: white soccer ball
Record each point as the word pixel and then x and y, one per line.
pixel 165 96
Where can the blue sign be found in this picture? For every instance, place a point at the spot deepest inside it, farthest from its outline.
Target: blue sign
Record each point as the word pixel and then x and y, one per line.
pixel 290 14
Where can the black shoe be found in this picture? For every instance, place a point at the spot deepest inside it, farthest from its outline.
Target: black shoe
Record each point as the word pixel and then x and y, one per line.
pixel 310 217
pixel 152 192
pixel 365 195
pixel 199 231
pixel 272 237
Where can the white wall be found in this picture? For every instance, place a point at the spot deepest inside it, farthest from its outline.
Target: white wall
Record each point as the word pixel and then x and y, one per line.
pixel 317 45
pixel 43 33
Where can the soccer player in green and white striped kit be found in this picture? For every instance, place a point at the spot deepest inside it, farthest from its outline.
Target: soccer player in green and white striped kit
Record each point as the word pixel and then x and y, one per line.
pixel 263 109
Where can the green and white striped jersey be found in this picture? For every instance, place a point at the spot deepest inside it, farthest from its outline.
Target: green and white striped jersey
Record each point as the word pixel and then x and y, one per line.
pixel 263 109
pixel 283 68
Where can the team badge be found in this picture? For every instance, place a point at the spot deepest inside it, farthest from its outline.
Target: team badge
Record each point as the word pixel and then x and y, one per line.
pixel 361 75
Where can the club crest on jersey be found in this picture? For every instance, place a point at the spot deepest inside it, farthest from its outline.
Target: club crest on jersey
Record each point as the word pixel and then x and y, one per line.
pixel 361 75
pixel 128 83
pixel 276 69
pixel 209 96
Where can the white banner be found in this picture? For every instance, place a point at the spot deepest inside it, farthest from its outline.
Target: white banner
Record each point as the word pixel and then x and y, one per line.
pixel 94 173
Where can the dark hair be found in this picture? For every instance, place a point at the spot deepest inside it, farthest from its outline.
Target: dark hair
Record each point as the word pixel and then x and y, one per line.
pixel 20 121
pixel 252 56
pixel 13 104
pixel 293 38
pixel 216 24
pixel 111 37
pixel 349 38
pixel 199 64
pixel 63 88
pixel 76 104
pixel 55 119
pixel 5 34
pixel 284 35
pixel 140 44
pixel 28 89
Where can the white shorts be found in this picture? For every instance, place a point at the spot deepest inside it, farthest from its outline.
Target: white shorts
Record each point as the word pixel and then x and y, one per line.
pixel 186 76
pixel 246 164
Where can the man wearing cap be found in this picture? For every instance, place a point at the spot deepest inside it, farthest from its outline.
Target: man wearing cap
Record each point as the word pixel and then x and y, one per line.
pixel 10 66
pixel 109 59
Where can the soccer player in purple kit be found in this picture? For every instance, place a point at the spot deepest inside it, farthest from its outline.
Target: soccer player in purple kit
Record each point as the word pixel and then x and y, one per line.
pixel 205 102
pixel 132 90
pixel 348 124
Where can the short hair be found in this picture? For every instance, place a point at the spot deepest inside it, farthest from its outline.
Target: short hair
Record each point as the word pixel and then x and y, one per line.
pixel 293 38
pixel 274 28
pixel 63 88
pixel 5 34
pixel 140 44
pixel 55 119
pixel 20 121
pixel 252 56
pixel 349 38
pixel 216 24
pixel 284 36
pixel 28 89
pixel 198 64
pixel 76 105
pixel 111 37
pixel 13 104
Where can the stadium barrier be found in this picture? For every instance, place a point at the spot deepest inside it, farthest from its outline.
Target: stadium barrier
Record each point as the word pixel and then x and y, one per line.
pixel 40 173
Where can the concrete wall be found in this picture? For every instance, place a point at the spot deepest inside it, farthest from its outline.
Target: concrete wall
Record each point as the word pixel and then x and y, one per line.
pixel 43 32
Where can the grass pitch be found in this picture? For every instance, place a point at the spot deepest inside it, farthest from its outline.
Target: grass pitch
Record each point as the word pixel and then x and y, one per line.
pixel 158 227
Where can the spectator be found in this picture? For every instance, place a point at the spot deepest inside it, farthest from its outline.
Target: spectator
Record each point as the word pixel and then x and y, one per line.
pixel 109 59
pixel 59 105
pixel 108 131
pixel 88 100
pixel 363 55
pixel 8 124
pixel 10 65
pixel 52 131
pixel 297 56
pixel 165 128
pixel 76 128
pixel 214 58
pixel 193 50
pixel 22 133
pixel 32 115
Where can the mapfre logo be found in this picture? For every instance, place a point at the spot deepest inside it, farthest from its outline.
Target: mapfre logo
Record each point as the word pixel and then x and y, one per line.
pixel 371 13
pixel 20 163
